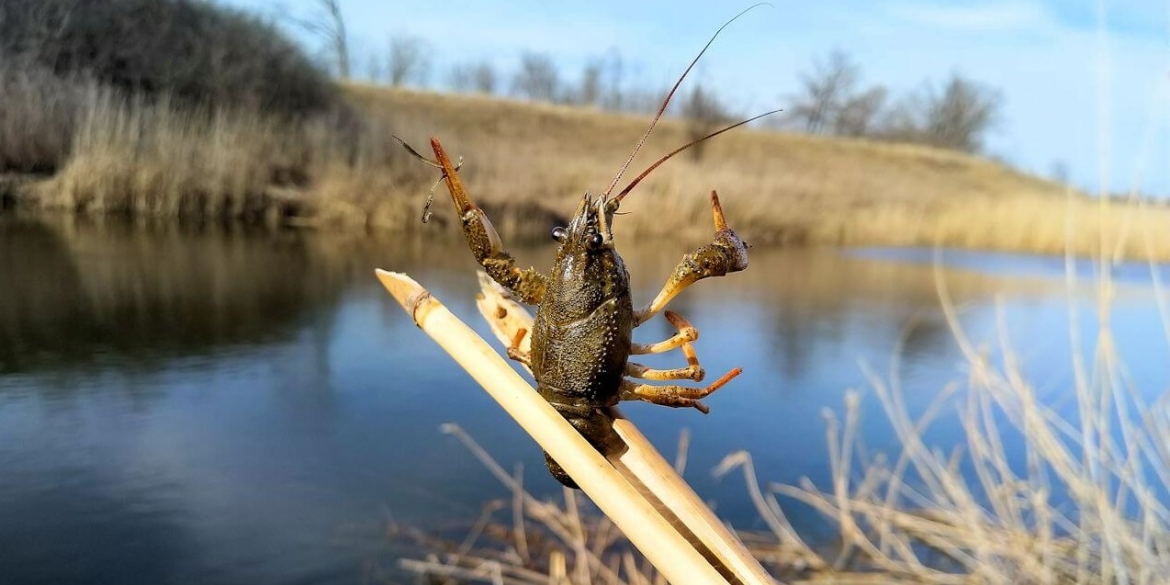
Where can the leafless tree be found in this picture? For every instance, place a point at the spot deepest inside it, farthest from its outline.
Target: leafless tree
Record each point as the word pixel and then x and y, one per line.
pixel 485 78
pixel 961 114
pixel 461 77
pixel 957 117
pixel 537 78
pixel 329 24
pixel 824 92
pixel 859 114
pixel 704 113
pixel 473 77
pixel 642 101
pixel 408 60
pixel 589 93
pixel 612 97
pixel 903 121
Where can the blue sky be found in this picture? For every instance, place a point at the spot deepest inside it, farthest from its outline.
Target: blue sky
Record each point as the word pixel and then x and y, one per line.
pixel 1090 96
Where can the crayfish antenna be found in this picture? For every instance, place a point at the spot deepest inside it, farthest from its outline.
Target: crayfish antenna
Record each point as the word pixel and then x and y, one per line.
pixel 621 195
pixel 416 153
pixel 670 94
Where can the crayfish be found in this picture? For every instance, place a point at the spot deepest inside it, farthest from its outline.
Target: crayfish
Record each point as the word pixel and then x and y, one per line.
pixel 582 333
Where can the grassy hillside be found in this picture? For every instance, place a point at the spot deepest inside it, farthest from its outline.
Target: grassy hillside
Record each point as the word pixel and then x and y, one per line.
pixel 777 187
pixel 528 165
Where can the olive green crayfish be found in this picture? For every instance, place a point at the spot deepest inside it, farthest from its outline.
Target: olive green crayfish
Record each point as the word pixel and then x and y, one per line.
pixel 582 333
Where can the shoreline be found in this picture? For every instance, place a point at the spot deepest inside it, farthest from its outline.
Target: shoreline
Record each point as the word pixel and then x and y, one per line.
pixel 527 165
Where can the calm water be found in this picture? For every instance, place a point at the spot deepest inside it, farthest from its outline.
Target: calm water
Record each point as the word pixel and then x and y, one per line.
pixel 184 405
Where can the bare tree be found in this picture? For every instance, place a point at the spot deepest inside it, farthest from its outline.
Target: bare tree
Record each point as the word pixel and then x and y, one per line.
pixel 858 115
pixel 611 79
pixel 824 91
pixel 959 117
pixel 703 114
pixel 485 78
pixel 408 62
pixel 903 121
pixel 478 77
pixel 329 24
pixel 589 93
pixel 537 78
pixel 461 78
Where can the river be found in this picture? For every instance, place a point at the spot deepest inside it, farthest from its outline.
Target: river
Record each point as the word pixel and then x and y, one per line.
pixel 213 405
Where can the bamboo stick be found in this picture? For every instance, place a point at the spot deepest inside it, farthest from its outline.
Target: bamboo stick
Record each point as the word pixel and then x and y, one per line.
pixel 641 464
pixel 676 558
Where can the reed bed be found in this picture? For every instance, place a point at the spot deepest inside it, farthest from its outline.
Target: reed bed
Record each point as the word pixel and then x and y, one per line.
pixel 100 151
pixel 1030 495
pixel 1088 506
pixel 780 188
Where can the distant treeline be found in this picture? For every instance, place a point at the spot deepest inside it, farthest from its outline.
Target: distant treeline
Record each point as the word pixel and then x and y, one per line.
pixel 831 99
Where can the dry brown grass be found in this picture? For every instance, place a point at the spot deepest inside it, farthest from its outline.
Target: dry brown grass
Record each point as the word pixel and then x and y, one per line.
pixel 528 164
pixel 1030 495
pixel 1088 506
pixel 779 188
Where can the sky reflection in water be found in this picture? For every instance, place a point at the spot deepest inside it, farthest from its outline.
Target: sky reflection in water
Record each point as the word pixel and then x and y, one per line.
pixel 222 406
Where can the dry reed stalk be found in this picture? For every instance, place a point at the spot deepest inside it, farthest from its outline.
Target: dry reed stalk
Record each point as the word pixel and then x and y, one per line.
pixel 1088 507
pixel 645 527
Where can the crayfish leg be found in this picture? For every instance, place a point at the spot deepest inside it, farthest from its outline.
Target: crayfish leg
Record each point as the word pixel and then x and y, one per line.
pixel 674 396
pixel 684 339
pixel 693 371
pixel 686 335
pixel 514 350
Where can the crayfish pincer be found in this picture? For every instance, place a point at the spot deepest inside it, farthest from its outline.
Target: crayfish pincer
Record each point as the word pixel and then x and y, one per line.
pixel 582 333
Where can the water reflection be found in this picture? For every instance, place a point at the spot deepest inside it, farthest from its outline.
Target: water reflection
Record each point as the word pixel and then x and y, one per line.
pixel 219 406
pixel 75 294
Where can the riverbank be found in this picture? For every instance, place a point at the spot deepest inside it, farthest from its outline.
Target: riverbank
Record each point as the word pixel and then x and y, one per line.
pixel 528 164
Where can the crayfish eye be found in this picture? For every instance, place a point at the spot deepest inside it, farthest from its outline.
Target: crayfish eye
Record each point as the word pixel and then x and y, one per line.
pixel 594 242
pixel 559 234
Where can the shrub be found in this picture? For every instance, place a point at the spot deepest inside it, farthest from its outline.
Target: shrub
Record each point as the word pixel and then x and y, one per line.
pixel 191 50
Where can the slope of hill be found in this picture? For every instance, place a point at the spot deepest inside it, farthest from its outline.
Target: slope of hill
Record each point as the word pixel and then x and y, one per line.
pixel 528 165
pixel 777 187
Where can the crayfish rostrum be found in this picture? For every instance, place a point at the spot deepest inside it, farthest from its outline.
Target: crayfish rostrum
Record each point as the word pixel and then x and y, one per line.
pixel 582 333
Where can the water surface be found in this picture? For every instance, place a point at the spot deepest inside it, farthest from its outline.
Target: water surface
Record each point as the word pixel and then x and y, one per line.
pixel 185 404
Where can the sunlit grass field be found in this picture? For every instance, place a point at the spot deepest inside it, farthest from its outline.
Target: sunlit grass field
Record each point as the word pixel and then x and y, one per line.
pixel 779 188
pixel 528 164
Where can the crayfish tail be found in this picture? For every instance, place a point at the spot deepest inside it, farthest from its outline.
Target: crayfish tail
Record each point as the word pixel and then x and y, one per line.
pixel 559 472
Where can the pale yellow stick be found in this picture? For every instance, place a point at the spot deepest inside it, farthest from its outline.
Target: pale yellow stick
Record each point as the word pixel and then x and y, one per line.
pixel 642 461
pixel 652 470
pixel 677 559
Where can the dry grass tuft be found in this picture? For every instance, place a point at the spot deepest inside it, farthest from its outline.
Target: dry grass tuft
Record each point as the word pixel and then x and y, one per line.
pixel 1032 496
pixel 1088 506
pixel 528 165
pixel 544 543
pixel 780 188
